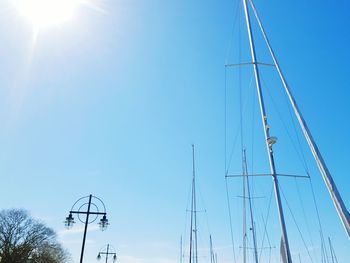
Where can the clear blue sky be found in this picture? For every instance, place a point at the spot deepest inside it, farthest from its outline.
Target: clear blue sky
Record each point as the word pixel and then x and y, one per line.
pixel 110 102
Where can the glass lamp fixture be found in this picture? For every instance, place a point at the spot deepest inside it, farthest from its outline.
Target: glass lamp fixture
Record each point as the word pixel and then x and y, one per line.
pixel 69 221
pixel 103 223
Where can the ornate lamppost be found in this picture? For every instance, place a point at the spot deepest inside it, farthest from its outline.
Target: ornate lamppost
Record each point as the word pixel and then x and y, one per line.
pixel 106 251
pixel 87 205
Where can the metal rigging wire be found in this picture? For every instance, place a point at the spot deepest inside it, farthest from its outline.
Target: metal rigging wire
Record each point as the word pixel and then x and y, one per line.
pixel 265 233
pixel 230 217
pixel 296 223
pixel 235 18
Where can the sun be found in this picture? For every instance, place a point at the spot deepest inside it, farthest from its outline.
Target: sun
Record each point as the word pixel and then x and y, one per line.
pixel 46 13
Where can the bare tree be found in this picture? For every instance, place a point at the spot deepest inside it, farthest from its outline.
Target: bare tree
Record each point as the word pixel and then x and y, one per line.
pixel 24 239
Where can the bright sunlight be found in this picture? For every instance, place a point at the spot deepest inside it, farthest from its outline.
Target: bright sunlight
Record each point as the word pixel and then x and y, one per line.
pixel 46 13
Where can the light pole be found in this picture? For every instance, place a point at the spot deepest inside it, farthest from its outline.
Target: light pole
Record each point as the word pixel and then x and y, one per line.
pixel 106 251
pixel 87 205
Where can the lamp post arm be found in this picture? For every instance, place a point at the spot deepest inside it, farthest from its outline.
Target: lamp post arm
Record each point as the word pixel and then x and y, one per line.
pixel 91 213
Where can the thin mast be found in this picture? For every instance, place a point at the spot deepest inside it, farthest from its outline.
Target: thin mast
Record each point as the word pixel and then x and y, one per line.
pixel 330 248
pixel 181 249
pixel 327 177
pixel 195 208
pixel 193 235
pixel 245 175
pixel 212 255
pixel 244 210
pixel 333 256
pixel 191 228
pixel 267 137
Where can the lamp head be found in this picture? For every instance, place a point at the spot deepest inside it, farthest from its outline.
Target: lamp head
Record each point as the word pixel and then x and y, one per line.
pixel 69 221
pixel 98 256
pixel 103 222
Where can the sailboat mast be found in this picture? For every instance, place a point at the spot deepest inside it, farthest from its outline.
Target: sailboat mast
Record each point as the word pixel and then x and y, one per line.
pixel 191 229
pixel 244 210
pixel 245 175
pixel 333 256
pixel 212 255
pixel 327 177
pixel 269 145
pixel 193 234
pixel 330 248
pixel 181 249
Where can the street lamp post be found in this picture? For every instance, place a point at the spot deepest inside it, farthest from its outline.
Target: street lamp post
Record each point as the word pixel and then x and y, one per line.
pixel 106 251
pixel 87 205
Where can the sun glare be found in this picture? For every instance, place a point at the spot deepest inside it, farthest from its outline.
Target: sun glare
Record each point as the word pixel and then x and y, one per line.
pixel 46 13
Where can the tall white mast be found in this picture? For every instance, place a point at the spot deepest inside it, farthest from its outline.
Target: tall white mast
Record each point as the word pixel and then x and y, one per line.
pixel 193 235
pixel 268 139
pixel 327 177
